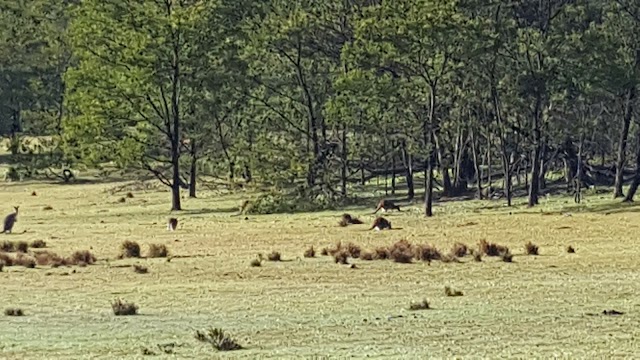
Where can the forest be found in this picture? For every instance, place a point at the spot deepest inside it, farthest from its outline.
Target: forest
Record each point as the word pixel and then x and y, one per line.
pixel 315 98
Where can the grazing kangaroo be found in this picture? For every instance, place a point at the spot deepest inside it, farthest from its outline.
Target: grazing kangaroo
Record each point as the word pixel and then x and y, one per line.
pixel 347 219
pixel 10 220
pixel 380 223
pixel 386 205
pixel 173 224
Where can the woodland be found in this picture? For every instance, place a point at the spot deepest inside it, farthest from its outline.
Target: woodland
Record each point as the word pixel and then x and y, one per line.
pixel 312 99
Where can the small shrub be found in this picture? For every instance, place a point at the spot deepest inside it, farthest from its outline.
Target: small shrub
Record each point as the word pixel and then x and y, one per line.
pixel 353 250
pixel 531 248
pixel 140 269
pixel 7 246
pixel 48 258
pixel 570 249
pixel 130 195
pixel 129 249
pixel 274 256
pixel 507 256
pixel 24 260
pixel 13 312
pixel 82 257
pixel 47 208
pixel 401 252
pixel 491 249
pixel 450 292
pixel 381 253
pixel 423 305
pixel 341 257
pixel 22 247
pixel 38 244
pixel 218 339
pixel 459 249
pixel 157 251
pixel 324 252
pixel 256 263
pixel 310 252
pixel 121 200
pixel 427 253
pixel 121 308
pixel 366 256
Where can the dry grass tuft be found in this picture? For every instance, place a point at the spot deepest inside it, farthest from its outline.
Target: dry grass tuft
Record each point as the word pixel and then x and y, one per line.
pixel 450 292
pixel 6 259
pixel 22 246
pixel 255 263
pixel 129 249
pixel 449 258
pixel 423 305
pixel 121 308
pixel 139 269
pixel 341 257
pixel 507 256
pixel 38 244
pixel 49 258
pixel 130 195
pixel 338 248
pixel 310 252
pixel 491 249
pixel 13 312
pixel 366 256
pixel 157 251
pixel 427 253
pixel 459 250
pixel 401 252
pixel 324 252
pixel 33 193
pixel 477 257
pixel 82 257
pixel 274 256
pixel 47 208
pixel 24 260
pixel 121 200
pixel 570 249
pixel 530 248
pixel 381 253
pixel 354 250
pixel 7 246
pixel 218 339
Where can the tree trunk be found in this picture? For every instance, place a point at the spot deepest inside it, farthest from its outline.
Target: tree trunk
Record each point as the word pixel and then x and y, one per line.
pixel 622 145
pixel 393 173
pixel 192 171
pixel 536 160
pixel 175 115
pixel 343 172
pixel 578 196
pixel 476 163
pixel 636 178
pixel 429 137
pixel 408 165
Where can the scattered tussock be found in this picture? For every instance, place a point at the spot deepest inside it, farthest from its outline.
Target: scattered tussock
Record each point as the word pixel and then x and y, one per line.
pixel 451 292
pixel 122 308
pixel 427 253
pixel 570 249
pixel 157 251
pixel 255 263
pixel 129 249
pixel 7 246
pixel 274 256
pixel 477 256
pixel 13 312
pixel 366 256
pixel 47 208
pixel 401 252
pixel 218 339
pixel 5 259
pixel 24 260
pixel 423 305
pixel 82 257
pixel 130 195
pixel 338 248
pixel 354 250
pixel 45 258
pixel 530 248
pixel 324 252
pixel 121 200
pixel 491 249
pixel 139 269
pixel 22 246
pixel 310 252
pixel 381 253
pixel 507 256
pixel 459 249
pixel 10 246
pixel 341 257
pixel 38 244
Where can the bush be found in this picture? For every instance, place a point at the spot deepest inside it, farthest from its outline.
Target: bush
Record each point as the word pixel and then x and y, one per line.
pixel 38 244
pixel 427 253
pixel 129 249
pixel 24 260
pixel 530 248
pixel 310 252
pixel 218 339
pixel 81 257
pixel 401 252
pixel 157 251
pixel 341 257
pixel 256 263
pixel 492 249
pixel 121 308
pixel 22 247
pixel 459 249
pixel 274 256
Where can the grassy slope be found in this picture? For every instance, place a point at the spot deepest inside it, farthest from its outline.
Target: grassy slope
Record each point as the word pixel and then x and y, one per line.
pixel 534 307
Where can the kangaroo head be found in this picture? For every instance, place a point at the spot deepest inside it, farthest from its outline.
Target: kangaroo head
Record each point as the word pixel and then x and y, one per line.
pixel 16 207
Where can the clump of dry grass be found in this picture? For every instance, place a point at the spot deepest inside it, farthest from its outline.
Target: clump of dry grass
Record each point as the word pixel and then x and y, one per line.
pixel 423 305
pixel 491 249
pixel 570 249
pixel 129 249
pixel 459 250
pixel 310 252
pixel 324 252
pixel 47 208
pixel 24 260
pixel 477 255
pixel 157 251
pixel 121 200
pixel 427 253
pixel 274 256
pixel 22 246
pixel 366 256
pixel 451 292
pixel 130 195
pixel 7 246
pixel 341 257
pixel 218 339
pixel 338 248
pixel 38 244
pixel 6 259
pixel 354 250
pixel 82 257
pixel 255 263
pixel 530 248
pixel 13 312
pixel 49 258
pixel 401 252
pixel 121 308
pixel 33 193
pixel 140 269
pixel 507 256
pixel 449 258
pixel 381 253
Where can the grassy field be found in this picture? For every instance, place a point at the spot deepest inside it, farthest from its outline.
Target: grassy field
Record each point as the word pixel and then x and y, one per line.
pixel 534 307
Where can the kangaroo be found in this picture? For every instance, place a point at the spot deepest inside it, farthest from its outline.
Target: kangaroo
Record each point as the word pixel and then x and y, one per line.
pixel 386 205
pixel 173 224
pixel 380 223
pixel 10 220
pixel 347 219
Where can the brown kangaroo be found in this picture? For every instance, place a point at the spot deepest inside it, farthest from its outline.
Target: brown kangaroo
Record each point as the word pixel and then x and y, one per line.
pixel 173 224
pixel 10 220
pixel 386 205
pixel 380 223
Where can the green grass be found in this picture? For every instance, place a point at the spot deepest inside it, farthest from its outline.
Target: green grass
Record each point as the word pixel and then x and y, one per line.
pixel 534 307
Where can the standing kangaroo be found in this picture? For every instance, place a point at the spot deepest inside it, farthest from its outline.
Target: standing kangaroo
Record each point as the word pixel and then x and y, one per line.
pixel 10 220
pixel 386 205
